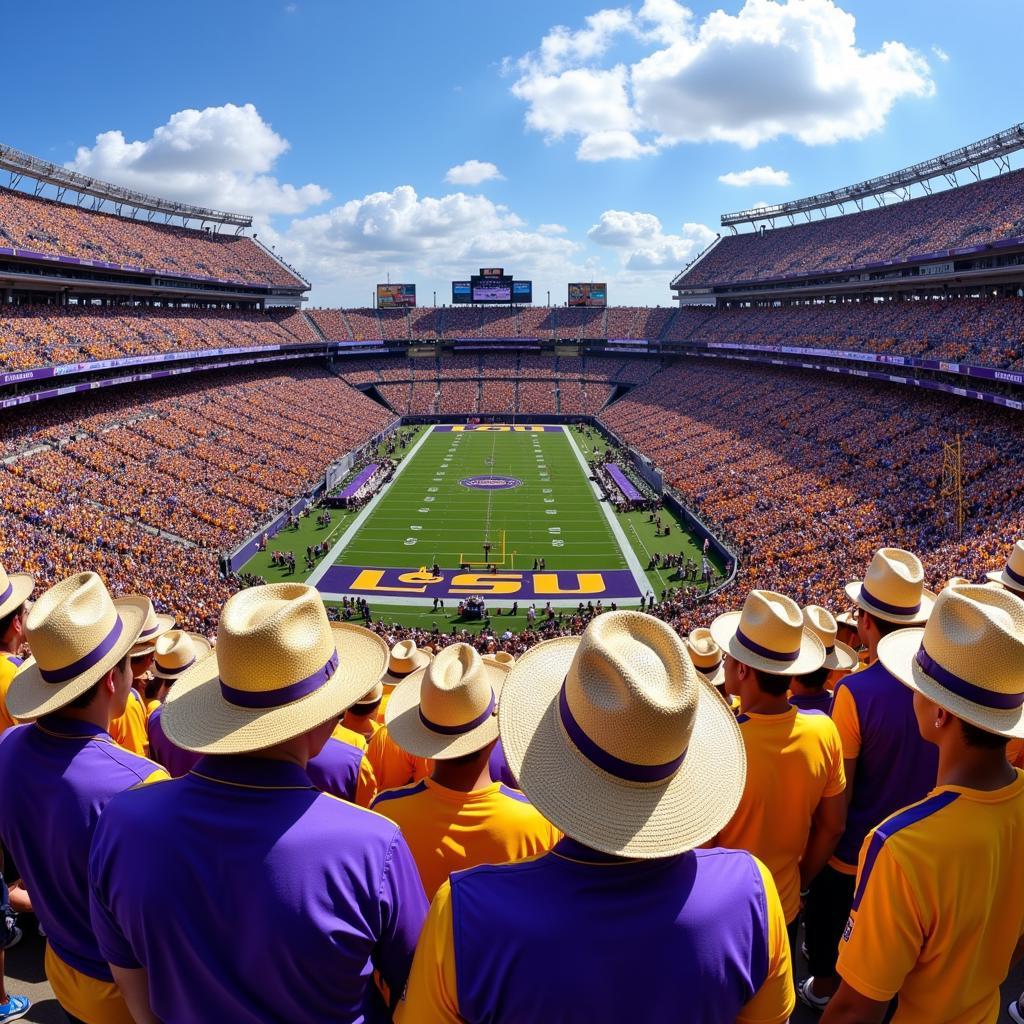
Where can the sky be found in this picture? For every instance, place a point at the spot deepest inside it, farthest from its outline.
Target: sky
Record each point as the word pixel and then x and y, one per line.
pixel 561 140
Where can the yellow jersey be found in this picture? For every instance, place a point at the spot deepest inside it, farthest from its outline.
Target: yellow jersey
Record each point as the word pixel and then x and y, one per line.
pixel 392 766
pixel 129 729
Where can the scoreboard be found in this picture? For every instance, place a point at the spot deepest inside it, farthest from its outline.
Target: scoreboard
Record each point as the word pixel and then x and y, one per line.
pixel 391 295
pixel 491 287
pixel 583 294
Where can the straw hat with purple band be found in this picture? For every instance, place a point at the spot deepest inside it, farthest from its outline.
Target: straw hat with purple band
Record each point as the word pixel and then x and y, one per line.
pixel 968 658
pixel 156 626
pixel 706 655
pixel 1012 574
pixel 447 709
pixel 176 651
pixel 769 635
pixel 15 590
pixel 370 700
pixel 619 742
pixel 838 656
pixel 279 669
pixel 404 659
pixel 77 633
pixel 504 658
pixel 893 588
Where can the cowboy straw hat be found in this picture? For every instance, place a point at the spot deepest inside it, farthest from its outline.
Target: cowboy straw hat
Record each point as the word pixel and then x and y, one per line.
pixel 15 590
pixel 370 699
pixel 447 709
pixel 706 655
pixel 838 656
pixel 769 635
pixel 156 626
pixel 176 651
pixel 1011 576
pixel 504 658
pixel 404 659
pixel 893 588
pixel 77 634
pixel 619 742
pixel 847 618
pixel 968 658
pixel 279 669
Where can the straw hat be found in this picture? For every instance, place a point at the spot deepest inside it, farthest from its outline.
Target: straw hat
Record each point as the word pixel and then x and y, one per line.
pixel 77 633
pixel 957 581
pixel 968 658
pixel 15 590
pixel 706 655
pixel 504 658
pixel 370 699
pixel 404 659
pixel 838 656
pixel 769 635
pixel 1011 577
pixel 279 669
pixel 847 619
pixel 156 626
pixel 447 709
pixel 619 742
pixel 176 651
pixel 893 588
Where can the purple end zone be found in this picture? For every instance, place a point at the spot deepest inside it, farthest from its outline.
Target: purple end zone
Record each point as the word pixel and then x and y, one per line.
pixel 451 584
pixel 498 428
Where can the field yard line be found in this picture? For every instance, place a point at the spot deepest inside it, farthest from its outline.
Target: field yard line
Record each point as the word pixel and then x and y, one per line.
pixel 639 576
pixel 332 556
pixel 648 552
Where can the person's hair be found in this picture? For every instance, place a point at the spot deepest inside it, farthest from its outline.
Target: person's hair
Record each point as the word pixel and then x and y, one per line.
pixel 774 685
pixel 982 739
pixel 139 659
pixel 366 709
pixel 814 680
pixel 469 758
pixel 884 626
pixel 83 700
pixel 153 686
pixel 5 622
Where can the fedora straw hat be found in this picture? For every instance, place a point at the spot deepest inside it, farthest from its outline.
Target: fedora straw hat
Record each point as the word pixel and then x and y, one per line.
pixel 404 659
pixel 619 741
pixel 769 635
pixel 956 581
pixel 893 588
pixel 848 619
pixel 176 651
pixel 968 658
pixel 838 656
pixel 447 709
pixel 156 626
pixel 15 590
pixel 77 633
pixel 370 699
pixel 279 669
pixel 706 655
pixel 1012 574
pixel 504 658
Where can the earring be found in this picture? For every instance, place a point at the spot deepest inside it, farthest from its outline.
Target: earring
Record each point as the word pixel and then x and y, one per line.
pixel 938 725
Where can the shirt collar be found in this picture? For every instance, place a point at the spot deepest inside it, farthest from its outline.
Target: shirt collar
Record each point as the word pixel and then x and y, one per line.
pixel 251 772
pixel 70 728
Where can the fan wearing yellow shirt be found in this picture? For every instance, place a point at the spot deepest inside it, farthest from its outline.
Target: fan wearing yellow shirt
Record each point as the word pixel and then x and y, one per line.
pixel 458 818
pixel 938 910
pixel 361 718
pixel 14 594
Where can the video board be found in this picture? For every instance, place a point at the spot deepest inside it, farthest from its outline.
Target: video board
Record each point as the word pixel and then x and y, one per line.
pixel 462 291
pixel 491 288
pixel 392 295
pixel 522 291
pixel 591 294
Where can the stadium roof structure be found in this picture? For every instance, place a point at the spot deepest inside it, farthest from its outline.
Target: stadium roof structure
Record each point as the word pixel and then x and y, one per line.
pixel 996 147
pixel 42 172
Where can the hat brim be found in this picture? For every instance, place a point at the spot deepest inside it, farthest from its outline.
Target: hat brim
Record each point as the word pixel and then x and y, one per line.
pixel 30 696
pixel 22 586
pixel 204 649
pixel 165 623
pixel 196 717
pixel 592 806
pixel 918 618
pixel 898 654
pixel 406 728
pixel 1003 578
pixel 716 678
pixel 811 656
pixel 421 658
pixel 842 659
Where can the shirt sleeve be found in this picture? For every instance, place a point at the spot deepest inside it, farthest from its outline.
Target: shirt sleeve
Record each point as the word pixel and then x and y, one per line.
pixel 885 933
pixel 431 993
pixel 844 714
pixel 403 907
pixel 836 781
pixel 113 943
pixel 775 1000
pixel 366 786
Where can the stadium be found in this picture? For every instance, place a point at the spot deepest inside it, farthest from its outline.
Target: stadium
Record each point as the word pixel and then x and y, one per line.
pixel 835 374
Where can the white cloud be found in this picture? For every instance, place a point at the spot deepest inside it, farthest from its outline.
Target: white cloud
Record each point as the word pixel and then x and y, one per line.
pixel 473 172
pixel 643 244
pixel 777 67
pixel 755 176
pixel 552 229
pixel 940 54
pixel 218 157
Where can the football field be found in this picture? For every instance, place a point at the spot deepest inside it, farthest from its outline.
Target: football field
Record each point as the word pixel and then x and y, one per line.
pixel 466 500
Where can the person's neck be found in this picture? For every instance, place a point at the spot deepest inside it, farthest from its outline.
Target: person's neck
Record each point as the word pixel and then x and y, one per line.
pixel 757 702
pixel 362 724
pixel 973 767
pixel 464 777
pixel 294 751
pixel 98 713
pixel 799 690
pixel 10 644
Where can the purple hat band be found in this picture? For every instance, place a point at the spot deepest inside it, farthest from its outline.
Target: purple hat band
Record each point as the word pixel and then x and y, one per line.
pixel 94 657
pixel 149 632
pixel 892 609
pixel 175 671
pixel 764 652
pixel 263 699
pixel 1015 576
pixel 7 593
pixel 626 770
pixel 459 730
pixel 962 688
pixel 708 670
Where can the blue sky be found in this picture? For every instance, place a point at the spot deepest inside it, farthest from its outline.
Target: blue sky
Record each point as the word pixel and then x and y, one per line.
pixel 594 149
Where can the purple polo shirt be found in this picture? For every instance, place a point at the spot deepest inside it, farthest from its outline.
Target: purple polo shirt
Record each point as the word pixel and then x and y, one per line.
pixel 178 762
pixel 335 769
pixel 56 777
pixel 499 769
pixel 815 702
pixel 588 937
pixel 251 897
pixel 895 766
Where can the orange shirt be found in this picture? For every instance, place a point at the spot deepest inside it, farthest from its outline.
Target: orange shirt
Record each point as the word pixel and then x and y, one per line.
pixel 392 766
pixel 129 729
